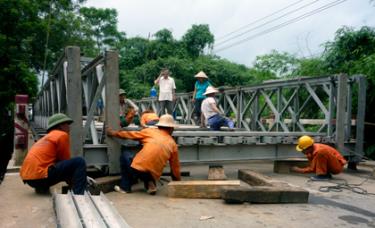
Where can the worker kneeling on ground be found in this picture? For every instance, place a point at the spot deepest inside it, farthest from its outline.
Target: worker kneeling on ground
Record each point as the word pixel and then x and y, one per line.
pixel 148 164
pixel 324 160
pixel 48 162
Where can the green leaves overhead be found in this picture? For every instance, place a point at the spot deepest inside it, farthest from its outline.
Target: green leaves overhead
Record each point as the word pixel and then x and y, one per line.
pixel 196 39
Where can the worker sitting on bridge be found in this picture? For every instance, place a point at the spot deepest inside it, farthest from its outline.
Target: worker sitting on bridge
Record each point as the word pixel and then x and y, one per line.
pixel 212 114
pixel 48 162
pixel 148 164
pixel 149 118
pixel 324 160
pixel 127 109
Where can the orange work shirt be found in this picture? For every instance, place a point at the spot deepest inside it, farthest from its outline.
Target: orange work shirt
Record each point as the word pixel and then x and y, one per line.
pixel 148 117
pixel 47 151
pixel 158 148
pixel 325 159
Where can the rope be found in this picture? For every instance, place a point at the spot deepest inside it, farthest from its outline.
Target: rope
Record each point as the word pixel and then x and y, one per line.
pixel 339 187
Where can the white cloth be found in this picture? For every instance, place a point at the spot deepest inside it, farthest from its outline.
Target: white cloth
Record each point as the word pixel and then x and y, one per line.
pixel 166 87
pixel 206 107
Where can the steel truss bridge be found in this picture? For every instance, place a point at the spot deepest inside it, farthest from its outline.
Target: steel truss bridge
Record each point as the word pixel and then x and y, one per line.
pixel 269 117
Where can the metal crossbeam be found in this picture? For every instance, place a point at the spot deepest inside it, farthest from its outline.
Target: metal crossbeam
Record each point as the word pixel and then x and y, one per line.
pixel 270 115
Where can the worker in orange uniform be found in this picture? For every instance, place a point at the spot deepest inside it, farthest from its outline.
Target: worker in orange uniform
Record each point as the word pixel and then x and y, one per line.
pixel 148 164
pixel 324 160
pixel 149 118
pixel 48 162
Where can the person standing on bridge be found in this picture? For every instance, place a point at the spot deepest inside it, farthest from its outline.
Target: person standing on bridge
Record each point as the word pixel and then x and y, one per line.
pixel 148 164
pixel 167 91
pixel 48 162
pixel 324 160
pixel 198 96
pixel 127 109
pixel 211 112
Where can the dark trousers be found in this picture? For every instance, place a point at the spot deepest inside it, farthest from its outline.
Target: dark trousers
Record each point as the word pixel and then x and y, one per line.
pixel 197 110
pixel 166 105
pixel 129 175
pixel 72 171
pixel 217 121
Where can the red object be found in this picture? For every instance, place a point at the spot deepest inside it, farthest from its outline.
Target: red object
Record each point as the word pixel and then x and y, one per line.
pixel 21 139
pixel 22 99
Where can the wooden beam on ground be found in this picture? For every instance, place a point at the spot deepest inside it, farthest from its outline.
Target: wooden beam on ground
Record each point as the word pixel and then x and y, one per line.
pixel 104 184
pixel 263 189
pixel 283 166
pixel 182 173
pixel 265 194
pixel 216 172
pixel 253 178
pixel 199 188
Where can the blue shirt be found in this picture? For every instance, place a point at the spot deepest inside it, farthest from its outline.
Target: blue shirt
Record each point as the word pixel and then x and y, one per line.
pixel 201 89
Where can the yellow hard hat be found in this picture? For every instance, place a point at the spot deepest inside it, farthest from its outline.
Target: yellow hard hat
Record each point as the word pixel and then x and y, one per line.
pixel 304 142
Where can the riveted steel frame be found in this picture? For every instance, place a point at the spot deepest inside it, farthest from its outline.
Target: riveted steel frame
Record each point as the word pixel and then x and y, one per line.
pixel 269 117
pixel 75 79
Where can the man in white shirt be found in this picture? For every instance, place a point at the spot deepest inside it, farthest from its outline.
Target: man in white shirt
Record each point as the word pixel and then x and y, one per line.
pixel 167 92
pixel 212 114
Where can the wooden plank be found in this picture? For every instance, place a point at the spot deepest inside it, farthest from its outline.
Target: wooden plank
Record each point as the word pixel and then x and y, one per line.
pixel 265 194
pixel 104 184
pixel 263 189
pixel 253 178
pixel 216 172
pixel 199 188
pixel 283 166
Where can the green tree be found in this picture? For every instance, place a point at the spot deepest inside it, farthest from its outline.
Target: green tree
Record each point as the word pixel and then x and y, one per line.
pixel 164 45
pixel 23 28
pixel 279 64
pixel 353 52
pixel 196 39
pixel 348 46
pixel 101 26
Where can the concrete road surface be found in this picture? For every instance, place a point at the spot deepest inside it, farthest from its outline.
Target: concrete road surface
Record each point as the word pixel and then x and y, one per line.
pixel 21 207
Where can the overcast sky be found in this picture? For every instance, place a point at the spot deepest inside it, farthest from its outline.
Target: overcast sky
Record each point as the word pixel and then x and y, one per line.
pixel 302 38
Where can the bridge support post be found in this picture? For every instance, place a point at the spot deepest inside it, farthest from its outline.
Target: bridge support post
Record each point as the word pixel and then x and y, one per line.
pixel 360 121
pixel 74 99
pixel 112 107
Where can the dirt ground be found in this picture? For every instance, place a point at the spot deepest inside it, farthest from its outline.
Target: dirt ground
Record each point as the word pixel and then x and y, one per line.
pixel 21 207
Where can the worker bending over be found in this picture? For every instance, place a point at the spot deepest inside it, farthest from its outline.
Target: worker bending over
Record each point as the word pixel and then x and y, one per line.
pixel 127 109
pixel 149 118
pixel 211 112
pixel 48 162
pixel 148 164
pixel 324 160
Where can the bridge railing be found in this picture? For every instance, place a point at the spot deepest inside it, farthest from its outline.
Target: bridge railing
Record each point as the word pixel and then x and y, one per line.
pixel 321 105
